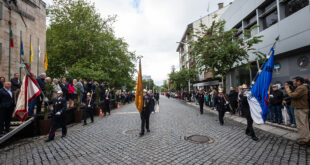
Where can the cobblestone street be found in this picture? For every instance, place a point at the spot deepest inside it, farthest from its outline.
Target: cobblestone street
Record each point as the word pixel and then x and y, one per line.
pixel 114 140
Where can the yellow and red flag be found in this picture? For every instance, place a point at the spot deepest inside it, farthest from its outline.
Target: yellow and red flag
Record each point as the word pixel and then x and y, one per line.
pixel 139 90
pixel 31 53
pixel 45 62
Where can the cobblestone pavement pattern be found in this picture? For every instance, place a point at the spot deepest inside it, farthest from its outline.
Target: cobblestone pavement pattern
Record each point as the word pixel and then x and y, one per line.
pixel 106 142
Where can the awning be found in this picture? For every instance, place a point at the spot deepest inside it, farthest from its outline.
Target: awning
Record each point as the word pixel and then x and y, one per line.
pixel 209 83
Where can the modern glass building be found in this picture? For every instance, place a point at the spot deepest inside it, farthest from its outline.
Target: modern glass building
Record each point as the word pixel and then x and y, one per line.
pixel 288 19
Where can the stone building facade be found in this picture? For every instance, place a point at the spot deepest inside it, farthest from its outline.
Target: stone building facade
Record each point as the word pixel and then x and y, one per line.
pixel 27 21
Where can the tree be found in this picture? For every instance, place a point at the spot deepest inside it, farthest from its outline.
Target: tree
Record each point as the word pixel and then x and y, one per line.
pixel 80 44
pixel 148 84
pixel 180 79
pixel 218 50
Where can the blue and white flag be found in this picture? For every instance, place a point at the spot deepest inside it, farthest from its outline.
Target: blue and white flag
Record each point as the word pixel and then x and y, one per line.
pixel 258 95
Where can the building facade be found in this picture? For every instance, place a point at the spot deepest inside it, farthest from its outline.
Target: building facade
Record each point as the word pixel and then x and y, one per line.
pixel 22 21
pixel 288 19
pixel 186 60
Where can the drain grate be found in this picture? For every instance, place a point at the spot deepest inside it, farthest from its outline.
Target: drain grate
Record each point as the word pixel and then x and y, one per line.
pixel 132 132
pixel 199 139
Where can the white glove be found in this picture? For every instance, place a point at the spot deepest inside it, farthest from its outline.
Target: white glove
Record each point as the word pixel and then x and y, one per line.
pixel 227 102
pixel 58 113
pixel 88 106
pixel 45 99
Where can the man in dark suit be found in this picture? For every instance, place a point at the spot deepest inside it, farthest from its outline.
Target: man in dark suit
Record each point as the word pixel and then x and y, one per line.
pixel 64 87
pixel 2 80
pixel 41 82
pixel 16 84
pixel 7 105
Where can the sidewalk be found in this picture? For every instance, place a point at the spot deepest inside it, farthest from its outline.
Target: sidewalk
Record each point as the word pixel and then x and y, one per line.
pixel 276 129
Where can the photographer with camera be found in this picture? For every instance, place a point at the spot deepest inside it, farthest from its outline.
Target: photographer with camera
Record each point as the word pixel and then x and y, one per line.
pixel 300 102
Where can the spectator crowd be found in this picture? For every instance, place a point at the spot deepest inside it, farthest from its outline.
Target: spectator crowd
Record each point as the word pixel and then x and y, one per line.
pixel 74 91
pixel 288 105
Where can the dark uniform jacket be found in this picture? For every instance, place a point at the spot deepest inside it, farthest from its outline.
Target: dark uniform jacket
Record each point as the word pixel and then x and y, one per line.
pixel 200 97
pixel 15 84
pixel 6 101
pixel 245 107
pixel 146 109
pixel 233 96
pixel 220 102
pixel 59 105
pixel 277 97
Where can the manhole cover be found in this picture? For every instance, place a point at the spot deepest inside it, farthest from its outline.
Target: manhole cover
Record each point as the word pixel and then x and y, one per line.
pixel 132 132
pixel 199 139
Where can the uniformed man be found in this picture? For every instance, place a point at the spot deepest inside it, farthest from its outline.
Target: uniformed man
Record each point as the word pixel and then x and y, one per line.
pixel 220 101
pixel 145 114
pixel 58 116
pixel 89 109
pixel 245 108
pixel 200 99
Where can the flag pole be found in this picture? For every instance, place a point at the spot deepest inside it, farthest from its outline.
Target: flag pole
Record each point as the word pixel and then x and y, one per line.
pixel 262 66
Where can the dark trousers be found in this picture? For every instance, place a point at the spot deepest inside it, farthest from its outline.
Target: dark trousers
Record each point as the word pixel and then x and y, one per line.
pixel 221 116
pixel 249 129
pixel 58 122
pixel 276 113
pixel 39 105
pixel 5 119
pixel 201 107
pixel 106 109
pixel 145 121
pixel 234 106
pixel 90 112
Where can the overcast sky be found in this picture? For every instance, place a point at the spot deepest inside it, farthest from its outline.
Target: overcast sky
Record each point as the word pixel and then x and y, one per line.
pixel 152 28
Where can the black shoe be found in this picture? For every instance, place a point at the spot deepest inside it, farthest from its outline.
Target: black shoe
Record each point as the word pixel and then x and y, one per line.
pixel 62 136
pixel 248 133
pixel 141 134
pixel 92 121
pixel 48 140
pixel 255 138
pixel 221 124
pixel 148 130
pixel 85 124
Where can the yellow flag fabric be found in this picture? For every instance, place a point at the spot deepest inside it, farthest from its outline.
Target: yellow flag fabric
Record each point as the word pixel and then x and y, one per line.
pixel 45 61
pixel 139 91
pixel 31 53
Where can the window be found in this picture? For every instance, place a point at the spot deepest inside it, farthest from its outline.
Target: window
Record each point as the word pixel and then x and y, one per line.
pixel 292 6
pixel 269 14
pixel 1 10
pixel 270 19
pixel 250 22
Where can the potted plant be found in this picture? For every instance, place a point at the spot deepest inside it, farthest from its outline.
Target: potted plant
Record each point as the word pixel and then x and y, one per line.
pixel 78 112
pixel 45 123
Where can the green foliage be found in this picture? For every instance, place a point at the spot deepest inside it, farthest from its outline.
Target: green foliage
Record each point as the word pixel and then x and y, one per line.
pixel 218 50
pixel 81 44
pixel 179 80
pixel 148 84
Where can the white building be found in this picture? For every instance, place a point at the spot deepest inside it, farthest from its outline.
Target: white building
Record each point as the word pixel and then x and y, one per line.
pixel 185 59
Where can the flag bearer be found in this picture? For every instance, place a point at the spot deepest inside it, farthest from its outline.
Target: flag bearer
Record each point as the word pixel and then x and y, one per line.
pixel 145 114
pixel 245 109
pixel 58 116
